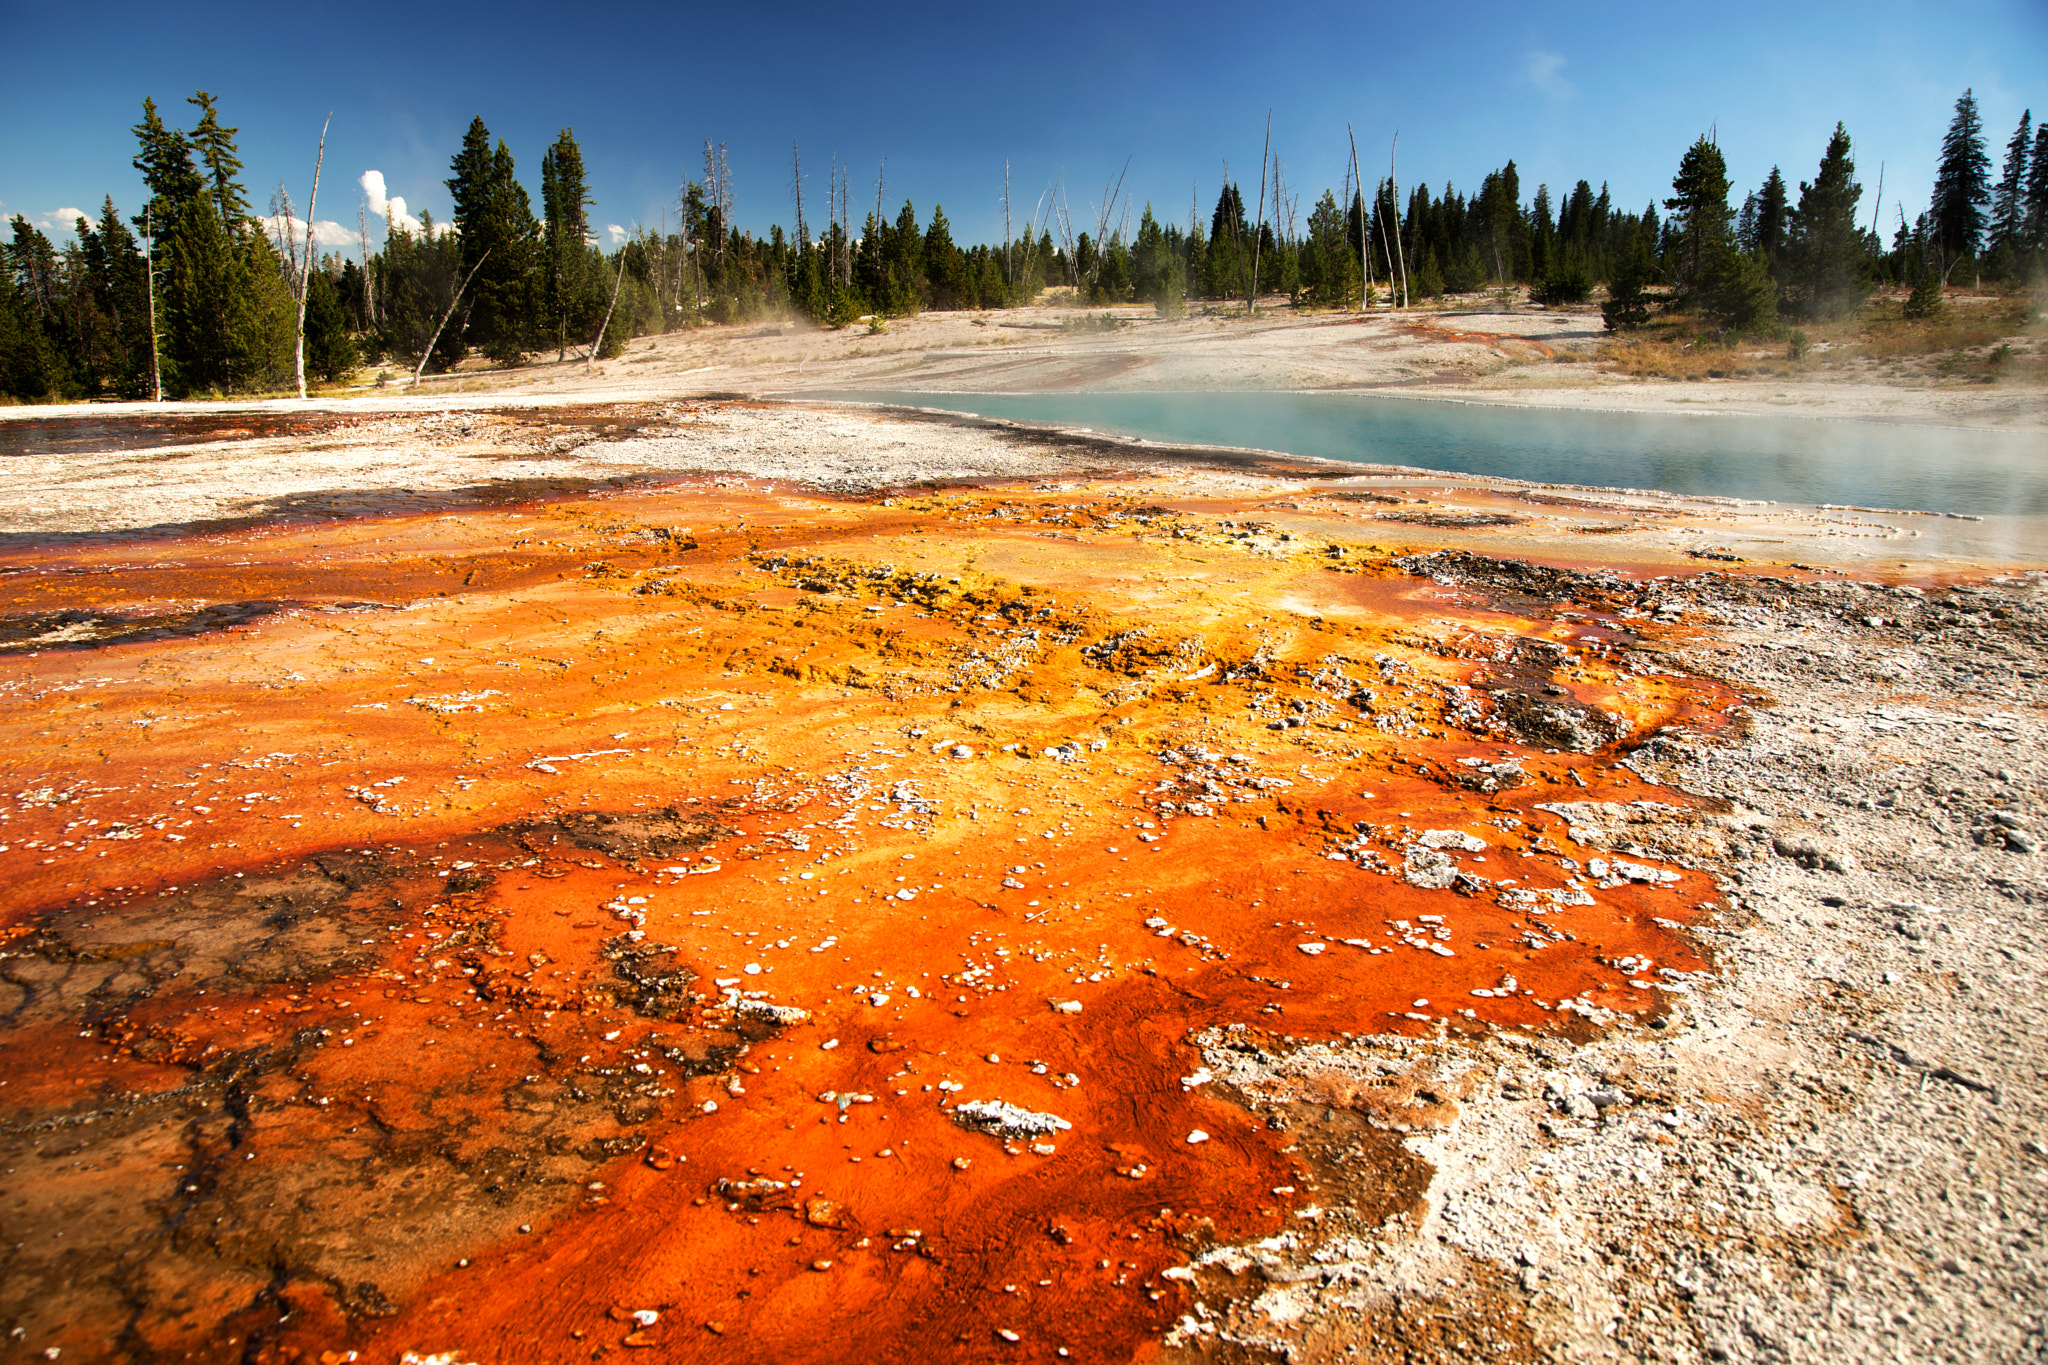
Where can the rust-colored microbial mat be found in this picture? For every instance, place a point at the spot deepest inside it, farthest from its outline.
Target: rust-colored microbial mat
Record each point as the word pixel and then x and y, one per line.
pixel 740 925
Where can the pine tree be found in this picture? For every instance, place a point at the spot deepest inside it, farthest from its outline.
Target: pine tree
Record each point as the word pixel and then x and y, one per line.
pixel 1736 291
pixel 1701 208
pixel 2036 232
pixel 2009 200
pixel 1961 186
pixel 1825 259
pixel 498 234
pixel 1925 300
pixel 564 197
pixel 122 292
pixel 1329 262
pixel 1541 237
pixel 1229 262
pixel 32 363
pixel 199 302
pixel 164 156
pixel 1627 305
pixel 945 271
pixel 330 353
pixel 216 148
pixel 1770 217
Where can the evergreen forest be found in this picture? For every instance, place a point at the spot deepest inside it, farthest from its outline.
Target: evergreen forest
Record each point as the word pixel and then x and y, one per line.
pixel 193 294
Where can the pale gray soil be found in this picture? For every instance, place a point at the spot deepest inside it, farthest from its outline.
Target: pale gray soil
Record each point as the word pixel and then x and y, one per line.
pixel 1470 349
pixel 1833 1147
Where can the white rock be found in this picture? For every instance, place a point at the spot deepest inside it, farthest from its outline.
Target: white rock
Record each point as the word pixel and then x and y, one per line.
pixel 1312 949
pixel 774 1014
pixel 1198 1136
pixel 1007 1120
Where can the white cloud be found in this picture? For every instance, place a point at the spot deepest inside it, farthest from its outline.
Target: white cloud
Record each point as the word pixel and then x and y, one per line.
pixel 62 220
pixel 618 233
pixel 1545 71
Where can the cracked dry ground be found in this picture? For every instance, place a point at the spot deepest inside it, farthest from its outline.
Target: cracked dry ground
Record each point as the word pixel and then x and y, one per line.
pixel 744 924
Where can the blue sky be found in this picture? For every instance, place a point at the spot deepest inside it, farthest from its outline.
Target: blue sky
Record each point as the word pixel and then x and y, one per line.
pixel 946 92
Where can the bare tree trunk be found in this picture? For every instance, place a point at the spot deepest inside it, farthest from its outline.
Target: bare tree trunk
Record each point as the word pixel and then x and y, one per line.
pixel 306 266
pixel 156 374
pixel 427 354
pixel 363 239
pixel 595 345
pixel 1009 261
pixel 1394 204
pixel 1063 215
pixel 796 180
pixel 1364 229
pixel 1251 302
pixel 724 204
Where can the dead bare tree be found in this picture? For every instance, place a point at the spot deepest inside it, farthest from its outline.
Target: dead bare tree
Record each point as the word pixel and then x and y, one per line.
pixel 427 354
pixel 1364 226
pixel 1394 207
pixel 1251 302
pixel 156 373
pixel 658 270
pixel 363 242
pixel 1288 204
pixel 302 266
pixel 714 186
pixel 598 344
pixel 796 183
pixel 1109 199
pixel 1041 215
pixel 1009 260
pixel 724 202
pixel 1065 218
pixel 692 251
pixel 846 229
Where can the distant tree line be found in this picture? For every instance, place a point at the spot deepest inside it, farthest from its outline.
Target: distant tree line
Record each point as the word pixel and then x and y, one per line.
pixel 192 295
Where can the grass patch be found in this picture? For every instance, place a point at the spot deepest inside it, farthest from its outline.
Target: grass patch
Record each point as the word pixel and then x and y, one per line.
pixel 1985 339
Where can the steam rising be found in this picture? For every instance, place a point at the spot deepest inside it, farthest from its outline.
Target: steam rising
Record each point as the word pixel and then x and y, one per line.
pixel 390 207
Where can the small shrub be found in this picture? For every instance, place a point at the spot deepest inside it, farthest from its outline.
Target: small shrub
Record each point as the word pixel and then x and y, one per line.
pixel 1925 301
pixel 1795 348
